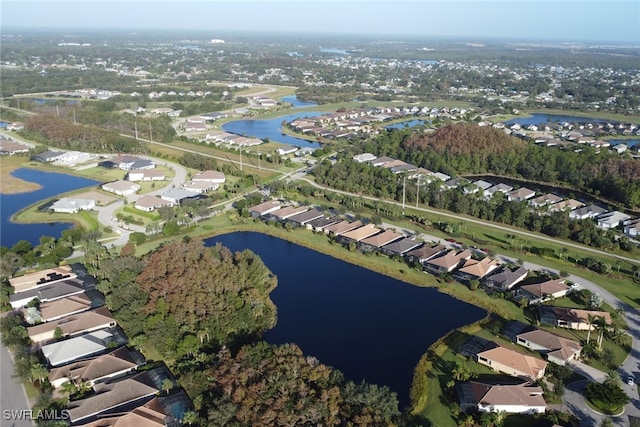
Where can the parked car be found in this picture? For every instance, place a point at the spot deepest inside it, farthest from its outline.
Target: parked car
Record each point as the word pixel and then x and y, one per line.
pixel 631 380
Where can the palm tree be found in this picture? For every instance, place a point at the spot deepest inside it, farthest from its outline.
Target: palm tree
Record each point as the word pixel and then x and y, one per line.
pixel 601 326
pixel 590 321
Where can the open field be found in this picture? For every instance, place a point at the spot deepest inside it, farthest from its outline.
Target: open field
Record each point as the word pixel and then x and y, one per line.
pixel 10 184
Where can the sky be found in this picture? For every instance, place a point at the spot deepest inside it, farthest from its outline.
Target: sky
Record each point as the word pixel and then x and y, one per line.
pixel 613 21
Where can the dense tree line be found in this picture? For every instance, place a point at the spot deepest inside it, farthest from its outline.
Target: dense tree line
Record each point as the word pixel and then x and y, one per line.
pixel 470 149
pixel 58 132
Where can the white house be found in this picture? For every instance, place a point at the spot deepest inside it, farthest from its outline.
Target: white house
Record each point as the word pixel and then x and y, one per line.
pixel 509 398
pixel 632 227
pixel 211 176
pixel 121 188
pixel 72 205
pixel 145 175
pixel 612 219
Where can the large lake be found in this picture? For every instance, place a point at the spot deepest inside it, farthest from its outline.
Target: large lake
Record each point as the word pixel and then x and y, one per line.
pixel 52 184
pixel 369 326
pixel 271 128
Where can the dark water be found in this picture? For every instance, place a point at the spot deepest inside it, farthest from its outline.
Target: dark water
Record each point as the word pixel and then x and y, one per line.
pixel 52 184
pixel 369 326
pixel 537 119
pixel 270 128
pixel 296 103
pixel 407 124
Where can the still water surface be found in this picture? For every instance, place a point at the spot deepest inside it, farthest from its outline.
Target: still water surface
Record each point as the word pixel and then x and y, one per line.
pixel 369 326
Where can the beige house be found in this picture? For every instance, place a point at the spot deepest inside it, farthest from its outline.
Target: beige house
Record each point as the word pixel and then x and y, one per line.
pixel 40 278
pixel 447 262
pixel 512 363
pixel 72 325
pixel 537 293
pixel 510 398
pixel 571 318
pixel 557 349
pixel 359 234
pixel 121 188
pixel 54 310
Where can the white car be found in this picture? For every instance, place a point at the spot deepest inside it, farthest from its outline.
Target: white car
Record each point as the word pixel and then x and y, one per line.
pixel 631 380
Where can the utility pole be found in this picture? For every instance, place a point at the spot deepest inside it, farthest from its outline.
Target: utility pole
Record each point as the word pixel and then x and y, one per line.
pixel 150 133
pixel 240 157
pixel 136 128
pixel 404 182
pixel 75 122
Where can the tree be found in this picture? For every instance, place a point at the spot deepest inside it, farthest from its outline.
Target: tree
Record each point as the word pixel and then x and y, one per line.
pixel 590 322
pixel 167 385
pixel 190 417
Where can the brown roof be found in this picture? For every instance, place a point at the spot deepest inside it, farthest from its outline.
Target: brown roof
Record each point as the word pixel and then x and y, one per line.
pixel 426 252
pixel 550 341
pixel 480 268
pixel 450 259
pixel 381 239
pixel 150 201
pixel 264 207
pixel 289 211
pixel 150 414
pixel 576 315
pixel 209 175
pixel 549 287
pixel 343 227
pixel 529 366
pixel 112 395
pixel 76 323
pixel 95 368
pixel 362 232
pixel 58 308
pixel 516 395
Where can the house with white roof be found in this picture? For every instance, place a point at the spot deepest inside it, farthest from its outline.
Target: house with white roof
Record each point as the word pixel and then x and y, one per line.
pixel 72 205
pixel 90 344
pixel 121 188
pixel 632 227
pixel 211 176
pixel 612 219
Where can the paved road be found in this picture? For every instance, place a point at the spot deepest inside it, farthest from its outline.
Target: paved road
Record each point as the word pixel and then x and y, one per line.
pixel 12 395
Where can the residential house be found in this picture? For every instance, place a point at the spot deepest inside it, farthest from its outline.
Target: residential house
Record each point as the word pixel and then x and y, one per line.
pixel 456 182
pixel 425 253
pixel 151 414
pixel 109 397
pixel 15 126
pixel 72 205
pixel 472 269
pixel 545 200
pixel 358 234
pixel 9 147
pixel 566 205
pixel 380 161
pixel 520 194
pixel 178 195
pixel 121 188
pixel 85 345
pixel 401 247
pixel 48 156
pixel 42 277
pixel 632 227
pixel 557 349
pixel 587 212
pixel 199 186
pixel 612 220
pixel 48 292
pixel 476 186
pixel 505 278
pixel 498 188
pixel 97 369
pixel 287 212
pixel 57 309
pixel 287 149
pixel 571 318
pixel 537 293
pixel 145 175
pixel 75 324
pixel 264 208
pixel 191 126
pixel 148 203
pixel 512 363
pixel 126 162
pixel 521 398
pixel 342 227
pixel 303 218
pixel 321 223
pixel 211 176
pixel 364 157
pixel 377 241
pixel 447 262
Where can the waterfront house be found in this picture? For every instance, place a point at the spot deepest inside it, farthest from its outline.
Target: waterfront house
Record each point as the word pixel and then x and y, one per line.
pixel 377 241
pixel 566 205
pixel 72 205
pixel 425 253
pixel 85 345
pixel 48 156
pixel 9 147
pixel 504 278
pixel 512 363
pixel 358 234
pixel 447 262
pixel 97 369
pixel 537 293
pixel 41 278
pixel 287 212
pixel 612 220
pixel 320 224
pixel 571 318
pixel 151 414
pixel 342 227
pixel 301 219
pixel 498 188
pixel 264 208
pixel 401 247
pixel 520 194
pixel 545 200
pixel 472 269
pixel 632 227
pixel 556 349
pixel 74 324
pixel 483 396
pixel 287 149
pixel 148 203
pixel 48 292
pixel 587 212
pixel 476 186
pixel 121 188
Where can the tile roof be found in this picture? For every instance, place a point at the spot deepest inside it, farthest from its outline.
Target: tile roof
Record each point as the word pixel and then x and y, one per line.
pixel 507 395
pixel 343 227
pixel 151 414
pixel 64 306
pixel 95 368
pixel 361 233
pixel 381 239
pixel 528 366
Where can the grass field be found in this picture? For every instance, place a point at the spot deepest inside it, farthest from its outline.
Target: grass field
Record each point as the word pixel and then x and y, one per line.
pixel 10 184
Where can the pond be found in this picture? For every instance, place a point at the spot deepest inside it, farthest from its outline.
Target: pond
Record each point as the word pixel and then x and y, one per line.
pixel 52 184
pixel 408 124
pixel 369 326
pixel 537 119
pixel 271 129
pixel 296 103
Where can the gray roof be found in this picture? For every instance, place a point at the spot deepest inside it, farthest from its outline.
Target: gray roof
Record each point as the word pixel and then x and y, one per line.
pixel 50 292
pixel 401 246
pixel 62 352
pixel 307 216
